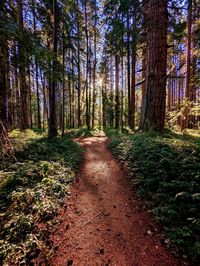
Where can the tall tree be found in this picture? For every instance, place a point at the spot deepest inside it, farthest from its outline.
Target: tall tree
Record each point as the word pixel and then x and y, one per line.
pixel 37 72
pixel 22 71
pixel 3 88
pixel 87 114
pixel 117 98
pixel 94 64
pixel 52 90
pixel 128 63
pixel 188 56
pixel 153 110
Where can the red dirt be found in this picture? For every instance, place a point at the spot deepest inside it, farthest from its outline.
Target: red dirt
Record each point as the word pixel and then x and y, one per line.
pixel 103 222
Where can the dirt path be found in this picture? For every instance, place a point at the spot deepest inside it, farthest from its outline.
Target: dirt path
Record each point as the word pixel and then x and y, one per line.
pixel 103 222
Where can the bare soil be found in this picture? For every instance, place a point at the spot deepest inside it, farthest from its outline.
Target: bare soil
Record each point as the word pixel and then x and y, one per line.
pixel 104 222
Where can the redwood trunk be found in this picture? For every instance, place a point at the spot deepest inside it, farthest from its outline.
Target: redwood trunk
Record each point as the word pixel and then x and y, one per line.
pixel 117 103
pixel 153 110
pixel 22 72
pixel 52 91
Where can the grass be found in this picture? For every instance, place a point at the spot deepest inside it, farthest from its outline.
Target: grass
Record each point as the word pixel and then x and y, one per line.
pixel 166 172
pixel 32 189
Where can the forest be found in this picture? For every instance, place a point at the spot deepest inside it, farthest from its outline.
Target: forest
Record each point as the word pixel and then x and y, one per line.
pixel 99 132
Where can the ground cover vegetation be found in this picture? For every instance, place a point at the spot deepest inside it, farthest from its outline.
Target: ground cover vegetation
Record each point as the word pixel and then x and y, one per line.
pixel 166 171
pixel 33 185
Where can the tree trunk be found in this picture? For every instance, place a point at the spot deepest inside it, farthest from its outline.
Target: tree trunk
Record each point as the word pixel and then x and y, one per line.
pixel 45 108
pixel 132 111
pixel 22 72
pixel 17 96
pixel 143 72
pixel 52 91
pixel 63 86
pixel 72 95
pixel 111 94
pixel 3 88
pixel 104 102
pixel 30 99
pixel 153 110
pixel 36 71
pixel 79 71
pixel 38 98
pixel 128 67
pixel 188 55
pixel 87 69
pixel 132 114
pixel 117 102
pixel 94 66
pixel 122 89
pixel 70 92
pixel 169 95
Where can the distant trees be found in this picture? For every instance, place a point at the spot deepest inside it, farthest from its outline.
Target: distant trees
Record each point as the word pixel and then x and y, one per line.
pixel 151 73
pixel 80 63
pixel 49 64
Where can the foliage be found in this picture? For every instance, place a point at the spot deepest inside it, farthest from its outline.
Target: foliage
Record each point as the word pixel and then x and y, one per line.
pixel 32 190
pixel 81 132
pixel 167 172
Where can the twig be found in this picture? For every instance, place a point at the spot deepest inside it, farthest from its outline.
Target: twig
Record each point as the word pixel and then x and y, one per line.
pixel 92 218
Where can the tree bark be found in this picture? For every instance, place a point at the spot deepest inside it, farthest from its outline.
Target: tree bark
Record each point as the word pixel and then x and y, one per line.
pixel 132 111
pixel 188 55
pixel 37 75
pixel 117 101
pixel 79 70
pixel 63 85
pixel 143 72
pixel 128 67
pixel 111 93
pixel 94 65
pixel 153 110
pixel 87 69
pixel 132 114
pixel 52 90
pixel 22 72
pixel 3 88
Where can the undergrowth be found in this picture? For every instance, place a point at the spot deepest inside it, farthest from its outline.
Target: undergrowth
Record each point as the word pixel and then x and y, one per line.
pixel 32 188
pixel 81 132
pixel 166 172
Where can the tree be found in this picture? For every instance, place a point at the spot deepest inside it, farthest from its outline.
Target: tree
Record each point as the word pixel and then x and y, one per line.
pixel 22 71
pixel 94 63
pixel 52 89
pixel 37 74
pixel 153 109
pixel 3 82
pixel 87 113
pixel 188 56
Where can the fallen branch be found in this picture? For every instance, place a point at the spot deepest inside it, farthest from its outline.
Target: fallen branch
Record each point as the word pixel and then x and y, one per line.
pixel 93 218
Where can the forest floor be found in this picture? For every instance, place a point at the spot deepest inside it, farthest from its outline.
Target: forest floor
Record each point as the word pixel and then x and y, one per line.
pixel 104 222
